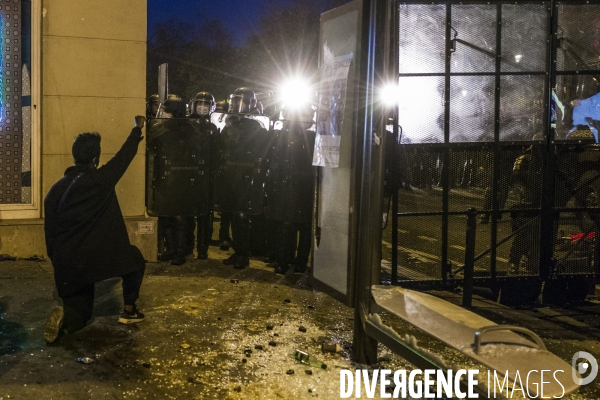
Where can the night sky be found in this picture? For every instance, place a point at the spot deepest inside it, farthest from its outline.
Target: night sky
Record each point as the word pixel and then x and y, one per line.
pixel 239 16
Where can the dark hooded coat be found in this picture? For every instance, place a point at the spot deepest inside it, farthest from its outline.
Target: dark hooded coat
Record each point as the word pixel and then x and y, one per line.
pixel 86 237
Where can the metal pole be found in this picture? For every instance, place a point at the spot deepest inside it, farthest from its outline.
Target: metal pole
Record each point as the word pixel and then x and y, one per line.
pixel 497 151
pixel 392 46
pixel 371 183
pixel 469 257
pixel 446 148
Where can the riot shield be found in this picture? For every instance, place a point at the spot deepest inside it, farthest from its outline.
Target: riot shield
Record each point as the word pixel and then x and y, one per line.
pixel 219 119
pixel 290 185
pixel 177 166
pixel 241 170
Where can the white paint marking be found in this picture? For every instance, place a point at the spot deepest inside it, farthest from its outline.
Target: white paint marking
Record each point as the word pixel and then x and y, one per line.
pixel 427 238
pixel 427 255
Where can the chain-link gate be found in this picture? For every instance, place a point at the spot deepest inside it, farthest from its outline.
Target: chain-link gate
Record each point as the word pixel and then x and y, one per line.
pixel 499 111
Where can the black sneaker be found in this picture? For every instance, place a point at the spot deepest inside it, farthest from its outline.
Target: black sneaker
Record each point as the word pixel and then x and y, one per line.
pixel 230 260
pixel 202 256
pixel 131 317
pixel 53 326
pixel 225 245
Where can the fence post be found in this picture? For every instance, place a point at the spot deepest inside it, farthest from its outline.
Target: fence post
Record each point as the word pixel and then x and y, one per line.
pixel 469 257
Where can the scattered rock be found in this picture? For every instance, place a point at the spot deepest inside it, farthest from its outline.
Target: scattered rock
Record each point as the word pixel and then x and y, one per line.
pixel 146 365
pixel 269 327
pixel 244 360
pixel 301 328
pixel 311 307
pixel 272 343
pixel 237 389
pixel 287 301
pixel 276 334
pixel 258 347
pixel 290 372
pixel 234 281
pixel 308 371
pixel 185 346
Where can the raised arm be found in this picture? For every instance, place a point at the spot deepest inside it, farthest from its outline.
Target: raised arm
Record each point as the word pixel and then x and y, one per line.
pixel 114 169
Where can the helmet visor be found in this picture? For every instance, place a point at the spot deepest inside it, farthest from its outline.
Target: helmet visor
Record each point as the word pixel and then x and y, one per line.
pixel 239 104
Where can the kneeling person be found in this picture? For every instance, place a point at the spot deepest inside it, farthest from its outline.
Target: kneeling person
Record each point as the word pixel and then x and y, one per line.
pixel 86 237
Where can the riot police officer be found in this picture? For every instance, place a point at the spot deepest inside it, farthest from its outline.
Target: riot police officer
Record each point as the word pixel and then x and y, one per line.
pixel 152 105
pixel 290 188
pixel 222 106
pixel 218 118
pixel 173 228
pixel 241 173
pixel 201 107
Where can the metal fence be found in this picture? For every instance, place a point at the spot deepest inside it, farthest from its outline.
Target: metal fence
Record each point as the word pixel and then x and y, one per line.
pixel 499 111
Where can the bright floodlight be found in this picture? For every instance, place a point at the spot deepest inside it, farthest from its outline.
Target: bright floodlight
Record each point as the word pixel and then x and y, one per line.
pixel 295 93
pixel 389 94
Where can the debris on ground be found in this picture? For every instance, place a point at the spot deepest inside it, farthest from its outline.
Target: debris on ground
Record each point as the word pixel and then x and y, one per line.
pixel 331 347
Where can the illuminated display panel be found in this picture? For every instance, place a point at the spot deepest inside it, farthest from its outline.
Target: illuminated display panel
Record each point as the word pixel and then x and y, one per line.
pixel 11 107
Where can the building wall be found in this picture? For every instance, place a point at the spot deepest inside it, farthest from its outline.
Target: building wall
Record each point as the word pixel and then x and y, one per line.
pixel 93 64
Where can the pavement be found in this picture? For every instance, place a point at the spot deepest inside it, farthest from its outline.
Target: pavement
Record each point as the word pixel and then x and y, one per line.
pixel 213 332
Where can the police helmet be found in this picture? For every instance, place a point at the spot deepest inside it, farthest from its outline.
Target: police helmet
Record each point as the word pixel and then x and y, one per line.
pixel 152 104
pixel 203 104
pixel 173 107
pixel 222 106
pixel 243 100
